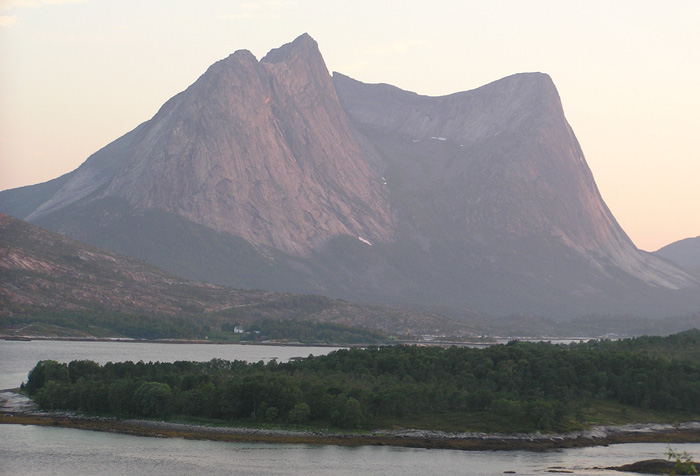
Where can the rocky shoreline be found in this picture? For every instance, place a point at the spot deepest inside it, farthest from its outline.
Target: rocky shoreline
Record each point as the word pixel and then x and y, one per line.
pixel 17 409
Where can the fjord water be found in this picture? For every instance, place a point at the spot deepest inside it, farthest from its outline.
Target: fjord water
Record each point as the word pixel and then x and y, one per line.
pixel 33 450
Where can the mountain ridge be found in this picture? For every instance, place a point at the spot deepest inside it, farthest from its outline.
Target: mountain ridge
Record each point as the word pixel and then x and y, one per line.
pixel 685 253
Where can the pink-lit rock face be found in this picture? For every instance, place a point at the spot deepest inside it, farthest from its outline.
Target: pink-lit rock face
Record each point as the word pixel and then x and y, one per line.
pixel 261 150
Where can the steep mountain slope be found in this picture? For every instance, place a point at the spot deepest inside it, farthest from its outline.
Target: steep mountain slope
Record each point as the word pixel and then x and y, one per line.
pixel 271 174
pixel 684 253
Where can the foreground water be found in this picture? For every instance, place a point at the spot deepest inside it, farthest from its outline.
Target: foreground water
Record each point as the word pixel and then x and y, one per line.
pixel 31 450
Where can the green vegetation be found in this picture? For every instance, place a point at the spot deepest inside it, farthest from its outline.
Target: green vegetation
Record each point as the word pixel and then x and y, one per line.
pixel 515 387
pixel 682 346
pixel 683 462
pixel 109 323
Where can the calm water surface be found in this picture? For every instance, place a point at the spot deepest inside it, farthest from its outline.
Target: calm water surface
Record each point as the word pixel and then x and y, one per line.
pixel 30 450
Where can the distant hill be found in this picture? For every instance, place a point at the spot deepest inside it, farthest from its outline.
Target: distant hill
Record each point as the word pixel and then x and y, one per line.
pixel 46 270
pixel 275 175
pixel 684 253
pixel 48 277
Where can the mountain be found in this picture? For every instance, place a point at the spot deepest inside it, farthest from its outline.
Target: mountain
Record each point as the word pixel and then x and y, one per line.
pixel 260 150
pixel 272 174
pixel 684 253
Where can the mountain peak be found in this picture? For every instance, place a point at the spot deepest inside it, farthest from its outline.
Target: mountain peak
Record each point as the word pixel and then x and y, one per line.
pixel 241 56
pixel 304 44
pixel 260 150
pixel 298 68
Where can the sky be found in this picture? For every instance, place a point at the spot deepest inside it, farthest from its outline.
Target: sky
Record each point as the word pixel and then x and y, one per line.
pixel 77 74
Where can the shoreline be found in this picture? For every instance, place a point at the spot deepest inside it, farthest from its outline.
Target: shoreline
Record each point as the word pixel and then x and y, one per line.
pixel 19 411
pixel 29 338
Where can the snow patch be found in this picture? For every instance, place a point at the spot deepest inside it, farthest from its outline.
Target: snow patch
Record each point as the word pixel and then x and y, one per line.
pixel 364 240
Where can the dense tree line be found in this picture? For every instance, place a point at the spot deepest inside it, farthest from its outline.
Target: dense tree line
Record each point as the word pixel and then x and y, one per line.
pixel 681 346
pixel 537 386
pixel 138 326
pixel 308 332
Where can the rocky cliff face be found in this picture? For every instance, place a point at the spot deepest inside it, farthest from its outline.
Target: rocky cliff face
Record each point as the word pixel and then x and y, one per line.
pixel 264 174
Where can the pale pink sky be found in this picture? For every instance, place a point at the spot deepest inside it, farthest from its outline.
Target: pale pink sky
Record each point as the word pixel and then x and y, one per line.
pixel 75 75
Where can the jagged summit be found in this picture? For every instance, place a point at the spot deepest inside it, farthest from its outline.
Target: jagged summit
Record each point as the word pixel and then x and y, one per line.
pixel 273 174
pixel 304 44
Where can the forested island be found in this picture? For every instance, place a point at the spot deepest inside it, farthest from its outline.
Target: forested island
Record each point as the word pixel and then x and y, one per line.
pixel 518 387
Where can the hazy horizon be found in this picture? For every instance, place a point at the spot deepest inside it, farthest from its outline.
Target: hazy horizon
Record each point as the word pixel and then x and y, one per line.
pixel 77 75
